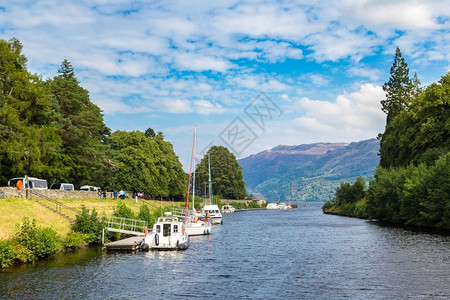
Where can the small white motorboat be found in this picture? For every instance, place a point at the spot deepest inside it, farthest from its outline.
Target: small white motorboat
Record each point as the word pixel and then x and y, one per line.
pixel 197 227
pixel 168 234
pixel 274 205
pixel 228 209
pixel 214 213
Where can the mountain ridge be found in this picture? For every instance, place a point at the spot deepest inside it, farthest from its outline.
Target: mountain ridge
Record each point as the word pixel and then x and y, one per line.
pixel 308 171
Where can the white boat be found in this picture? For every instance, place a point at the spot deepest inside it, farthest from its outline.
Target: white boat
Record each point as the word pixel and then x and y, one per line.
pixel 274 205
pixel 211 210
pixel 193 224
pixel 214 213
pixel 228 209
pixel 198 227
pixel 168 234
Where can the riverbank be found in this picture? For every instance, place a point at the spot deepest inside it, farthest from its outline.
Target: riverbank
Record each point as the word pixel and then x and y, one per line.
pixel 13 210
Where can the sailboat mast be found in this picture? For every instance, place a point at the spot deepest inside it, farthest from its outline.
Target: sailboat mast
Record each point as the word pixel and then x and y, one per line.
pixel 193 180
pixel 190 172
pixel 210 185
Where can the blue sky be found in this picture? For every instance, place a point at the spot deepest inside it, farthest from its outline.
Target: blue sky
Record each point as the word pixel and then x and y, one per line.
pixel 250 74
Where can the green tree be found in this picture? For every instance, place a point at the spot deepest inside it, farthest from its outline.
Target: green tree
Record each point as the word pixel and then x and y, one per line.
pixel 398 89
pixel 147 164
pixel 89 225
pixel 226 173
pixel 28 118
pixel 83 154
pixel 150 133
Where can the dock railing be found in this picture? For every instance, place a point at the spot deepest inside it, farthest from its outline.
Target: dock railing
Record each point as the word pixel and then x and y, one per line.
pixel 124 225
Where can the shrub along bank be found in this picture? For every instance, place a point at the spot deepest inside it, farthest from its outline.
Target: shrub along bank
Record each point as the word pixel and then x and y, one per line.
pixel 31 242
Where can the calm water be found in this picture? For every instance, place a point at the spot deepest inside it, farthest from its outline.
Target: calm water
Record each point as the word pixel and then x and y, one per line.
pixel 297 254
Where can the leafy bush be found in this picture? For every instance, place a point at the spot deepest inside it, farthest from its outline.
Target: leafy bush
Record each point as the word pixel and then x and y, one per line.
pixel 347 209
pixel 22 254
pixel 327 205
pixel 90 225
pixel 74 239
pixel 360 210
pixel 121 210
pixel 144 214
pixel 41 242
pixel 6 253
pixel 253 204
pixel 412 195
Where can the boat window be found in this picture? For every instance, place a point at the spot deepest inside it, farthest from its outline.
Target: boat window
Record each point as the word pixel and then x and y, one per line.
pixel 166 229
pixel 158 228
pixel 175 228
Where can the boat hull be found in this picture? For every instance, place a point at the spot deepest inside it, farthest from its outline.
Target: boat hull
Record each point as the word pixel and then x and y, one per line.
pixel 200 229
pixel 174 244
pixel 216 220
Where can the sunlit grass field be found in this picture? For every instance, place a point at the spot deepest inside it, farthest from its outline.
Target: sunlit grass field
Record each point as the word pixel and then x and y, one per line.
pixel 13 210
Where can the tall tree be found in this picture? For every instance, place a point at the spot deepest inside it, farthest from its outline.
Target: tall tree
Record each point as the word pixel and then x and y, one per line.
pixel 83 131
pixel 226 173
pixel 146 165
pixel 27 117
pixel 398 89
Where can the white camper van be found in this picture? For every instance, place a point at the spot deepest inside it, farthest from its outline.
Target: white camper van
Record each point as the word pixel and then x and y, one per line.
pixel 33 183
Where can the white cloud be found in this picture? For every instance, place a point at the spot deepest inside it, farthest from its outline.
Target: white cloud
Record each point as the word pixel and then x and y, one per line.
pixel 339 43
pixel 175 106
pixel 195 62
pixel 401 15
pixel 318 80
pixel 372 74
pixel 353 116
pixel 205 107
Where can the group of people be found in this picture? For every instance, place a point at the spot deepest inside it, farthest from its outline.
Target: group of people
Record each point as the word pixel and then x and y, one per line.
pixel 101 194
pixel 120 194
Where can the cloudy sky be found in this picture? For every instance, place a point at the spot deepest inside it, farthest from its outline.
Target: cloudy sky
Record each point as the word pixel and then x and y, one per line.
pixel 250 74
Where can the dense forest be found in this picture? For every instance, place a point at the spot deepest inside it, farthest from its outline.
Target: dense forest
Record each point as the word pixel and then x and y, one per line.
pixel 50 129
pixel 411 185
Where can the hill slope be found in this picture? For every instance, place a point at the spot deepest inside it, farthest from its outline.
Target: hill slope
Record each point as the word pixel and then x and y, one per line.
pixel 308 172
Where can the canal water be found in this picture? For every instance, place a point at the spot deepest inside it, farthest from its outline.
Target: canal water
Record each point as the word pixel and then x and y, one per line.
pixel 266 254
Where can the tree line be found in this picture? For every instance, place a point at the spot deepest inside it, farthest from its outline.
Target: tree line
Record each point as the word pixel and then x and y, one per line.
pixel 411 183
pixel 67 140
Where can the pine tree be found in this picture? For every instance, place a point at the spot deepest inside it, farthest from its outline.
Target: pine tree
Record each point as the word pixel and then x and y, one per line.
pixel 398 89
pixel 83 131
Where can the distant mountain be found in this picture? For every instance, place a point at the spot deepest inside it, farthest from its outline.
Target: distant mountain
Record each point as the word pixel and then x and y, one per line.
pixel 308 172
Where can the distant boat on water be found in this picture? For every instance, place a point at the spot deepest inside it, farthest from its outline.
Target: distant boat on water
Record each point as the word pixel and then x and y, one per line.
pixel 274 205
pixel 228 209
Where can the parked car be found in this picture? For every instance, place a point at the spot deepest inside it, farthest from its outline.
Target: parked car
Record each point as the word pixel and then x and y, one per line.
pixel 33 183
pixel 89 188
pixel 62 186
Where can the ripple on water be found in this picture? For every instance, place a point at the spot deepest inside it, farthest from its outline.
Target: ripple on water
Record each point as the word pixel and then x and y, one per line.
pixel 300 253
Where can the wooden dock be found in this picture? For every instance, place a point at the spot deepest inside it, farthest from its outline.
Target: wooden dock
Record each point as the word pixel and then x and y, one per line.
pixel 128 244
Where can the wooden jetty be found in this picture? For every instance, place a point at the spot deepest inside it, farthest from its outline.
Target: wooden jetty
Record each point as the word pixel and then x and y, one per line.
pixel 129 244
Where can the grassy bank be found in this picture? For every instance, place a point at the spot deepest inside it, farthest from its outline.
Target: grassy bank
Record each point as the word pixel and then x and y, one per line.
pixel 13 210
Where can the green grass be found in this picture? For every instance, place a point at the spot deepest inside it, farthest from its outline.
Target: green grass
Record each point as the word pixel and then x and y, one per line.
pixel 12 210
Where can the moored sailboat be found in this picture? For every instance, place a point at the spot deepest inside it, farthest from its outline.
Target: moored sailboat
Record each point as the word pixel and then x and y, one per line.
pixel 193 224
pixel 212 209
